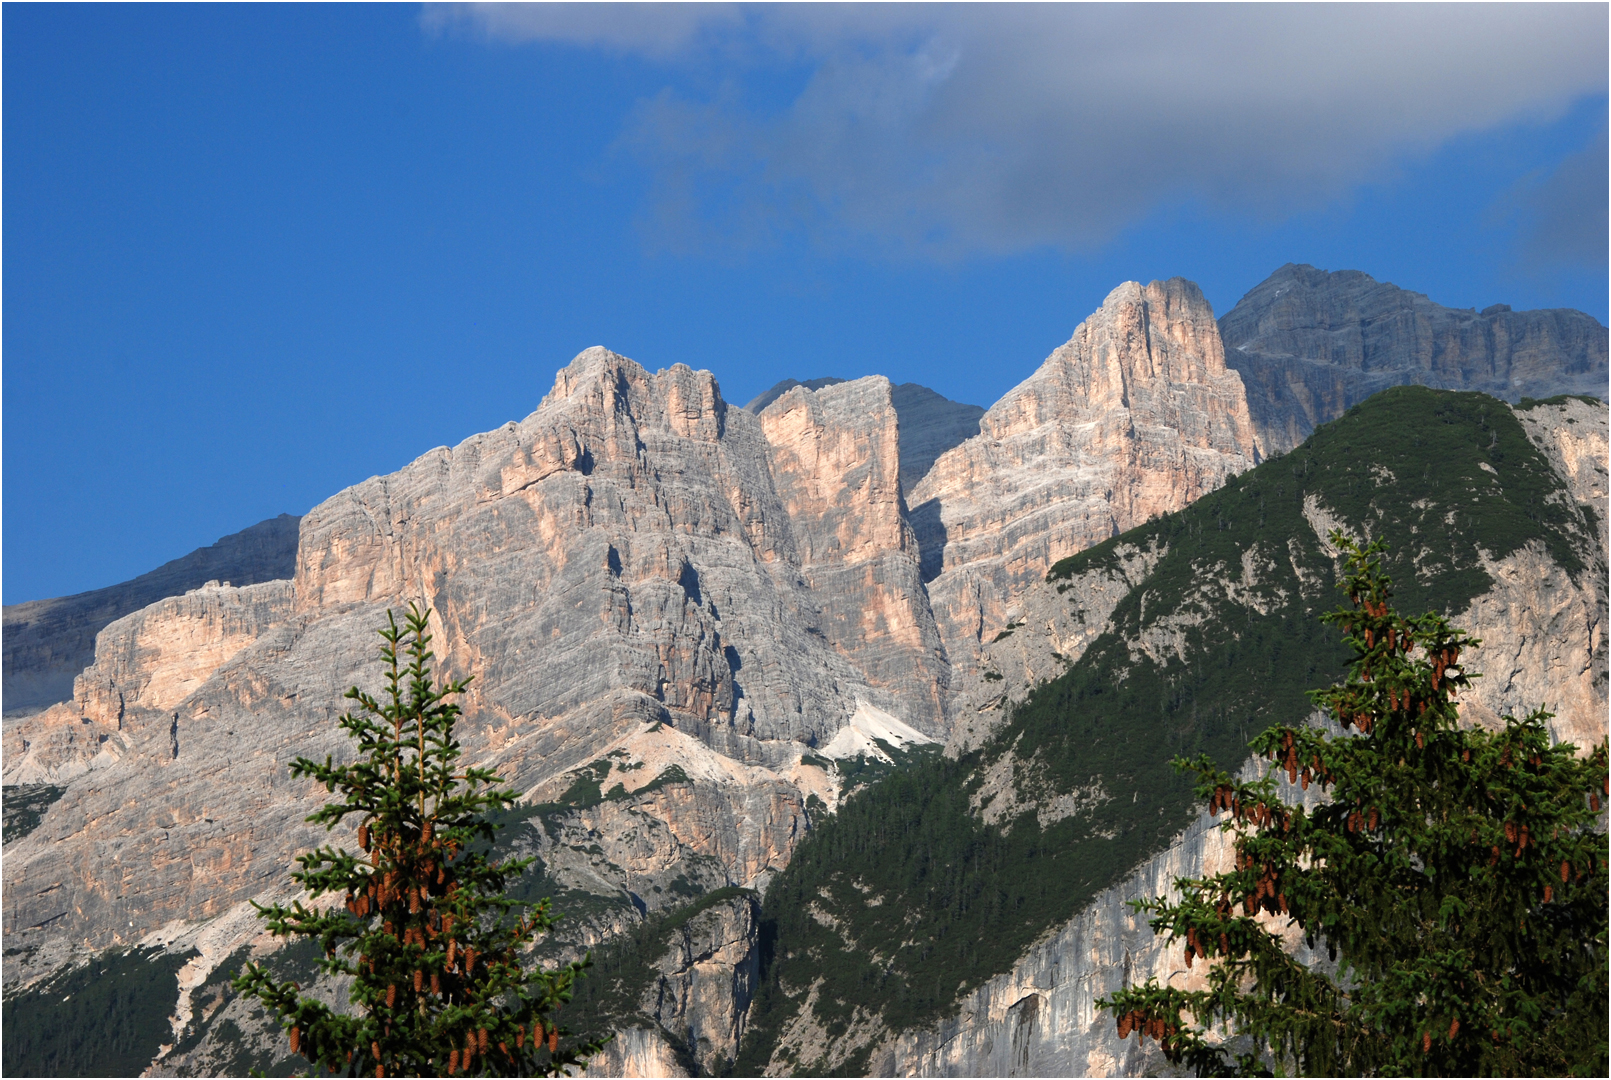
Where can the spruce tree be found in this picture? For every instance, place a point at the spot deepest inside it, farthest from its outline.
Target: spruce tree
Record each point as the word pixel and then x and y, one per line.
pixel 419 921
pixel 1450 886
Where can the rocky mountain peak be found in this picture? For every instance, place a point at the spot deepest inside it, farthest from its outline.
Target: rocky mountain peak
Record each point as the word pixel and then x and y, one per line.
pixel 1135 416
pixel 758 403
pixel 1141 343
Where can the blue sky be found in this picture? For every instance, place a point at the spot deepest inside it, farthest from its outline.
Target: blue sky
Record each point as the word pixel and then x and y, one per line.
pixel 255 254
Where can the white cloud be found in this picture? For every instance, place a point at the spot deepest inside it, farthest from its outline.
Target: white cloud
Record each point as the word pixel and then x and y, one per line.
pixel 962 128
pixel 655 30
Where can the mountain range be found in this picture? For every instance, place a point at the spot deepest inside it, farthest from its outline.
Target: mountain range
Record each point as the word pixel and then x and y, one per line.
pixel 759 672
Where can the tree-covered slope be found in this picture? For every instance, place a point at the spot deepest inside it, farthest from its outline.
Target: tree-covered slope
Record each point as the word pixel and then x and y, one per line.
pixel 940 876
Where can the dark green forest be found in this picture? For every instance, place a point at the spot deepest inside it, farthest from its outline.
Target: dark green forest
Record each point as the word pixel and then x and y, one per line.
pixel 960 900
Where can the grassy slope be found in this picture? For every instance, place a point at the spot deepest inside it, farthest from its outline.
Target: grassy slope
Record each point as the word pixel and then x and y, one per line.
pixel 960 900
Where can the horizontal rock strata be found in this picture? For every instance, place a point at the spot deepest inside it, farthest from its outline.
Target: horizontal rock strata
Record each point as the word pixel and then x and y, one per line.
pixel 48 642
pixel 1136 416
pixel 634 557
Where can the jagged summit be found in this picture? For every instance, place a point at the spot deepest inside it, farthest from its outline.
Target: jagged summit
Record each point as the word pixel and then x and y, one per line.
pixel 1135 416
pixel 695 628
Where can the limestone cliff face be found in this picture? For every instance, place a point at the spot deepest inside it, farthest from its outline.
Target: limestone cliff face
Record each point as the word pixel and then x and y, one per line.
pixel 702 992
pixel 146 664
pixel 930 423
pixel 1050 624
pixel 697 1000
pixel 835 456
pixel 48 642
pixel 680 600
pixel 1136 416
pixel 1310 344
pixel 639 578
pixel 1041 1019
pixel 634 569
pixel 1544 643
pixel 1543 630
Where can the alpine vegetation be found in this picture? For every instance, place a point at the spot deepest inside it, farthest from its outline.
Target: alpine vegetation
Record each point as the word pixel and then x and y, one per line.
pixel 425 933
pixel 1451 886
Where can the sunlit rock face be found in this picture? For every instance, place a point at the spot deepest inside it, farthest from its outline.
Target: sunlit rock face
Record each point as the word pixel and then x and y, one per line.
pixel 1135 416
pixel 634 553
pixel 48 642
pixel 1311 344
pixel 835 458
pixel 704 604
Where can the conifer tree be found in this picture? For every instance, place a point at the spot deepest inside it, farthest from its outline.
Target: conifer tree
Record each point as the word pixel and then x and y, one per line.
pixel 1450 886
pixel 419 923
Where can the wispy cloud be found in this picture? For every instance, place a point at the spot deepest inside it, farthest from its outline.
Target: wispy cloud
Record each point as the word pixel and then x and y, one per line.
pixel 1563 215
pixel 955 129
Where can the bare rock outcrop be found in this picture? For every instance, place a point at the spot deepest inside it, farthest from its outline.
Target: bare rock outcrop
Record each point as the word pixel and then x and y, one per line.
pixel 633 563
pixel 146 664
pixel 930 423
pixel 1311 344
pixel 702 990
pixel 1573 435
pixel 1136 416
pixel 1049 626
pixel 48 642
pixel 835 459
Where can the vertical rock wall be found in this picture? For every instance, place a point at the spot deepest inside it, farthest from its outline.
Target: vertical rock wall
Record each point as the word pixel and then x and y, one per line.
pixel 1136 416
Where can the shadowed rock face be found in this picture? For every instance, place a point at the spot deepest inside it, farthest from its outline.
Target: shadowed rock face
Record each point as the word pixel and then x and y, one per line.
pixel 930 425
pixel 48 642
pixel 758 404
pixel 1136 416
pixel 1311 344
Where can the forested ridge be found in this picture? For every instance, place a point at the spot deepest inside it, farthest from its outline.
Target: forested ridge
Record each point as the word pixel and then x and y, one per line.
pixel 907 899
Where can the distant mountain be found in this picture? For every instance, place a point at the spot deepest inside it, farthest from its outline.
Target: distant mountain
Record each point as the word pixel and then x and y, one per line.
pixel 48 642
pixel 930 423
pixel 1311 344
